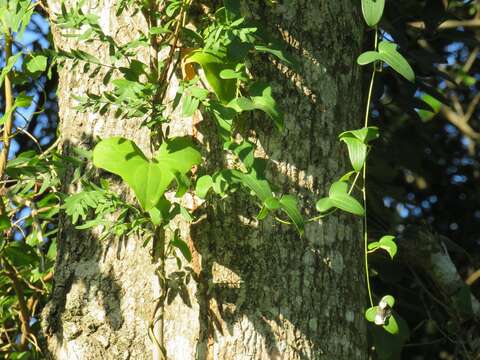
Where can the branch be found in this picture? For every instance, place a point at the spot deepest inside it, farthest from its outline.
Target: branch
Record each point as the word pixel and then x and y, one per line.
pixel 7 128
pixel 449 24
pixel 23 315
pixel 427 252
pixel 460 122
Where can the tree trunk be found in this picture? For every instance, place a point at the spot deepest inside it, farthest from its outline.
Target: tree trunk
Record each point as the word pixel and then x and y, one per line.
pixel 261 291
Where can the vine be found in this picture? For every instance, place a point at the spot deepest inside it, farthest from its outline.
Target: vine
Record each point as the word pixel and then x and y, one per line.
pixel 358 145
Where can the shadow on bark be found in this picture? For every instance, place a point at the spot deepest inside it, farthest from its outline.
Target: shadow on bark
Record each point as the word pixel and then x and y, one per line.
pixel 78 260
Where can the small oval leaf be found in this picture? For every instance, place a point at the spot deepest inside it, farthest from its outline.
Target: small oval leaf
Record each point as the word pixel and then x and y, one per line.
pixel 372 11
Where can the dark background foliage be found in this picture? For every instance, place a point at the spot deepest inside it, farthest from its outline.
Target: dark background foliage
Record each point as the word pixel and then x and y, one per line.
pixel 424 171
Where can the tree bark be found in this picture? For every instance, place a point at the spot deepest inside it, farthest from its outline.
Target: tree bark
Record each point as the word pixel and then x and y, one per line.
pixel 261 291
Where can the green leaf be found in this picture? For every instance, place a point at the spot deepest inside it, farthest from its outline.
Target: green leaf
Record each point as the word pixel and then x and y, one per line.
pixel 387 52
pixel 259 186
pixel 365 135
pixel 212 66
pixel 389 300
pixel 182 246
pixel 190 105
pixel 370 313
pixel 368 57
pixel 433 103
pixel 357 152
pixel 263 213
pixel 347 176
pixel 232 74
pixel 340 198
pixel 20 254
pixel 324 204
pixel 204 184
pixel 4 222
pixel 391 325
pixel 372 11
pixel 280 53
pixel 338 187
pixel 178 154
pixel 261 95
pixel 224 118
pixel 392 57
pixel 160 212
pixel 244 150
pixel 9 66
pixel 22 100
pixel 241 104
pixel 272 203
pixel 387 243
pixel 148 179
pixel 37 63
pixel 288 204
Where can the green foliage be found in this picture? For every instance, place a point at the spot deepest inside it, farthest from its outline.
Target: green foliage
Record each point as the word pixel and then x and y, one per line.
pixel 339 197
pixel 15 16
pixel 37 63
pixel 372 11
pixel 387 52
pixel 386 243
pixel 149 179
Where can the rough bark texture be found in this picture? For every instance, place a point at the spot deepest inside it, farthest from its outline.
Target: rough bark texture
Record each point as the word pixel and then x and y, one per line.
pixel 262 292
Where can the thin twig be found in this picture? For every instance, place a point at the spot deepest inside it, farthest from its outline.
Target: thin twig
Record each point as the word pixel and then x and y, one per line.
pixel 23 314
pixel 7 129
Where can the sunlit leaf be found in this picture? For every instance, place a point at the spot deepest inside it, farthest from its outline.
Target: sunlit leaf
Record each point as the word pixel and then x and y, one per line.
pixel 390 55
pixel 204 184
pixel 37 63
pixel 340 198
pixel 148 179
pixel 387 243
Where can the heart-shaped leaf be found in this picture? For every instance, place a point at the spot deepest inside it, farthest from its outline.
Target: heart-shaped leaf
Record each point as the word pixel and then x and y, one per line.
pixel 148 179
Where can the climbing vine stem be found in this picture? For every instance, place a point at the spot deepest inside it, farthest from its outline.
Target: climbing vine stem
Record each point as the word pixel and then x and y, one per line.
pixel 364 176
